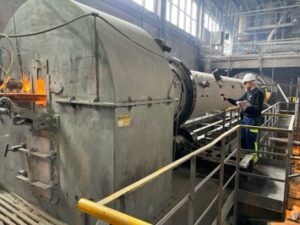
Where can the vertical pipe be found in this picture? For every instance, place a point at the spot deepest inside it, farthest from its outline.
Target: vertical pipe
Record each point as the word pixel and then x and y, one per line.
pixel 97 73
pixel 191 210
pixel 1 62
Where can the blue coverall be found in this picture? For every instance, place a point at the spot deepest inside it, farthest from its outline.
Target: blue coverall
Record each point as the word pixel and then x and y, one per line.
pixel 250 116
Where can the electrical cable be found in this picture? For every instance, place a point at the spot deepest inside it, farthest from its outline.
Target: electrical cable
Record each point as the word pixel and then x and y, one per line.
pixel 9 54
pixel 80 17
pixel 12 54
pixel 127 37
pixel 50 29
pixel 19 57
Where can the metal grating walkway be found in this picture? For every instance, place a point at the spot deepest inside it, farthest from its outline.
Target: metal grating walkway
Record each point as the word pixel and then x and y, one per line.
pixel 16 211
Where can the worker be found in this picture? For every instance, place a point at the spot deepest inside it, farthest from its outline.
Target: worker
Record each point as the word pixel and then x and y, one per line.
pixel 251 104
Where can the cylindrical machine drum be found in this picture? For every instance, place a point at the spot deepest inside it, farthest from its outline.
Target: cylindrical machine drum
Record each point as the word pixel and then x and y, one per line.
pixel 209 90
pixel 199 93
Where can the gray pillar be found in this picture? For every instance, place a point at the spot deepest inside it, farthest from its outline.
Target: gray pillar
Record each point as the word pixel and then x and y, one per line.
pixel 162 15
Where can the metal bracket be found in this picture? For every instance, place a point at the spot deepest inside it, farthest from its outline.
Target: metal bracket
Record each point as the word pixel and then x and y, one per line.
pixel 6 106
pixel 29 152
pixel 204 84
pixel 13 148
pixel 38 121
pixel 46 121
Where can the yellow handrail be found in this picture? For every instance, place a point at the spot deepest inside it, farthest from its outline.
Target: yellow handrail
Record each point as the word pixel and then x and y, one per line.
pixel 109 215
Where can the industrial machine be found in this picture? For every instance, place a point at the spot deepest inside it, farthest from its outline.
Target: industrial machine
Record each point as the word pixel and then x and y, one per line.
pixel 90 104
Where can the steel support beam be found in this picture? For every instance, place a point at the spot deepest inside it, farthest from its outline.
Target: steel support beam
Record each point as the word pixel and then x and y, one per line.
pixel 255 61
pixel 264 10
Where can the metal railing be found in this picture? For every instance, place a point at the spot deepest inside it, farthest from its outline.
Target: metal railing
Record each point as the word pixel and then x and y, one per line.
pixel 286 46
pixel 100 211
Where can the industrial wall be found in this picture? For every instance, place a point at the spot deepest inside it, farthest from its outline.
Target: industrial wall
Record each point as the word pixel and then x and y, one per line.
pixel 184 46
pixel 7 9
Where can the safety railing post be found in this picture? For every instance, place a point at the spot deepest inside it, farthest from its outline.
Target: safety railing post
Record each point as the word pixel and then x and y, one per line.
pixel 296 111
pixel 224 120
pixel 288 168
pixel 221 183
pixel 230 121
pixel 122 203
pixel 274 111
pixel 258 143
pixel 191 209
pixel 237 176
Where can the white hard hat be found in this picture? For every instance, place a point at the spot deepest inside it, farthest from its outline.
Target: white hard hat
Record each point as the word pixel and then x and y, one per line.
pixel 249 77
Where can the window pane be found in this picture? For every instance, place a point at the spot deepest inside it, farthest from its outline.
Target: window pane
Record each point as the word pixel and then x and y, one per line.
pixel 149 4
pixel 175 2
pixel 206 21
pixel 182 5
pixel 174 15
pixel 183 13
pixel 194 27
pixel 188 24
pixel 138 2
pixel 209 23
pixel 181 20
pixel 194 10
pixel 188 7
pixel 168 11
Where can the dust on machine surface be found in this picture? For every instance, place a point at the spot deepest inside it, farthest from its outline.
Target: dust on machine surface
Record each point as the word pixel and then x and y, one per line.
pixel 94 108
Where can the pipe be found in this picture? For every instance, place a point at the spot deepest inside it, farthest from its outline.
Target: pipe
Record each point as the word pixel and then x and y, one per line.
pixel 272 33
pixel 282 93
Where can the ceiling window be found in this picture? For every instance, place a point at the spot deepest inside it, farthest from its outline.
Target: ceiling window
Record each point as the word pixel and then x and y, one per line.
pixel 183 13
pixel 210 23
pixel 147 4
